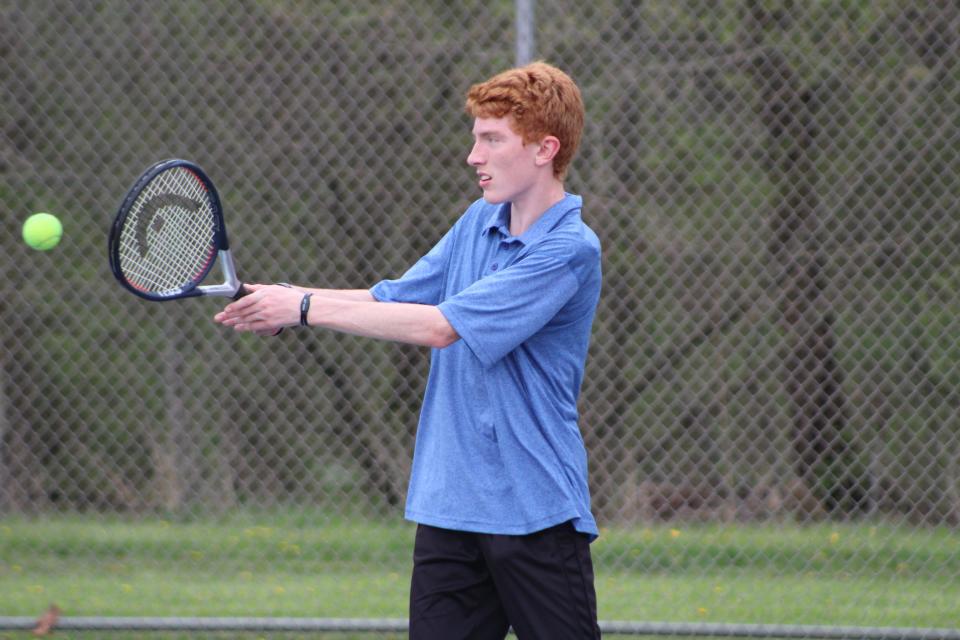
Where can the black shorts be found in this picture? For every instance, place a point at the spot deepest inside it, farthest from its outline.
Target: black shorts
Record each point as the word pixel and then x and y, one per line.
pixel 475 586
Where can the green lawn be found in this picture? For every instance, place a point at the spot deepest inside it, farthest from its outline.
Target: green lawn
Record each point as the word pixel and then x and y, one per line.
pixel 295 565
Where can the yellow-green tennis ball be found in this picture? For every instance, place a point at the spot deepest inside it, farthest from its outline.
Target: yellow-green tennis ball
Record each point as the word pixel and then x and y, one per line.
pixel 42 231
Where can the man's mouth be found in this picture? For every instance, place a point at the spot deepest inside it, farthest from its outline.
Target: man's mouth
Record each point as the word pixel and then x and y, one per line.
pixel 484 179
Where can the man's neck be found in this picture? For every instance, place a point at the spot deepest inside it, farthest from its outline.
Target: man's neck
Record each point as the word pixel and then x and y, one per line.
pixel 527 209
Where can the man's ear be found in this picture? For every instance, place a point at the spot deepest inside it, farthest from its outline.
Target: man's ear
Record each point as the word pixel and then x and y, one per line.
pixel 549 147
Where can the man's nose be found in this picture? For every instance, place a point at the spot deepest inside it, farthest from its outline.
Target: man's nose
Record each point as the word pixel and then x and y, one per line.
pixel 475 158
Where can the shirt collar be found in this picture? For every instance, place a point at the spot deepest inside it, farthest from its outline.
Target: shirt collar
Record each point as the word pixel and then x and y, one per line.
pixel 499 219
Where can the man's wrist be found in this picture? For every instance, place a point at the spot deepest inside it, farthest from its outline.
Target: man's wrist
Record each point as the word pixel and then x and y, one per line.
pixel 288 286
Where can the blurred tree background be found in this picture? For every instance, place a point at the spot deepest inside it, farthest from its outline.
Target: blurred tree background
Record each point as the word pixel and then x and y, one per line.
pixel 775 184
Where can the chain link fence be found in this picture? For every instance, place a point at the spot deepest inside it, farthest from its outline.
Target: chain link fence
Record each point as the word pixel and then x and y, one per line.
pixel 773 389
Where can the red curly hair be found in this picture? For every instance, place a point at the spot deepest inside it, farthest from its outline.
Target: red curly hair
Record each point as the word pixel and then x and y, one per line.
pixel 540 100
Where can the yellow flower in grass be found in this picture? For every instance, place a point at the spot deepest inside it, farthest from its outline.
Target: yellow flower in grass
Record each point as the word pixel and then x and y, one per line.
pixel 288 547
pixel 702 611
pixel 674 533
pixel 834 538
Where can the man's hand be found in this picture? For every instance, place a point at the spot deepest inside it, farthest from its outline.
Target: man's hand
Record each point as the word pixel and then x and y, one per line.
pixel 265 311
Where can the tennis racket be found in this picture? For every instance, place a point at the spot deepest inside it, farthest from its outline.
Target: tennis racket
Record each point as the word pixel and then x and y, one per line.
pixel 169 233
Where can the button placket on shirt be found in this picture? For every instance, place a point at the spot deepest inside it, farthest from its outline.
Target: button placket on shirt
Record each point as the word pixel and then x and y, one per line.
pixel 501 255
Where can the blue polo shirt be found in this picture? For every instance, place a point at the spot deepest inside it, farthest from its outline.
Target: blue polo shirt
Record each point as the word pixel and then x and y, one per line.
pixel 498 447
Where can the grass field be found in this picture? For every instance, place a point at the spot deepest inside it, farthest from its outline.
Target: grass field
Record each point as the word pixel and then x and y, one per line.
pixel 299 565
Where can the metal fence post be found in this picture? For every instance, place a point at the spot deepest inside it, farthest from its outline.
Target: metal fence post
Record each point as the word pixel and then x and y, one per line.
pixel 526 45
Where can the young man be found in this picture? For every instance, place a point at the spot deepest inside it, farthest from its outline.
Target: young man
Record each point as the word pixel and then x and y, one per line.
pixel 506 299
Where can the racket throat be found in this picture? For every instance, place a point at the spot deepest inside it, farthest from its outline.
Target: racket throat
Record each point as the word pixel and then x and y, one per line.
pixel 231 285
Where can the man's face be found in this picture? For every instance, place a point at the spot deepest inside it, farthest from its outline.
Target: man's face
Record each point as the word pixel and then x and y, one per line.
pixel 506 167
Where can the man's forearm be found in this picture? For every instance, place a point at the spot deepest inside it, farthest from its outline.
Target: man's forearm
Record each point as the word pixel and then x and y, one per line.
pixel 416 324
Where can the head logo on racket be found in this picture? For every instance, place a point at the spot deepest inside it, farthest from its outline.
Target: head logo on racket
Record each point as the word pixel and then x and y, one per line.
pixel 150 218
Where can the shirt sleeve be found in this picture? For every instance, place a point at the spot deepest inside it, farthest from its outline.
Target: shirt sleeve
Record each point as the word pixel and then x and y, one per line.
pixel 498 313
pixel 423 282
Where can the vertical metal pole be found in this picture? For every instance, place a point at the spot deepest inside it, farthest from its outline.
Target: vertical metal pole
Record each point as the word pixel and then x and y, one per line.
pixel 525 32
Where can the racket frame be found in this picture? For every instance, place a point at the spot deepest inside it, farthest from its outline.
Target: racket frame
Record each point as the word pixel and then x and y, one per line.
pixel 231 287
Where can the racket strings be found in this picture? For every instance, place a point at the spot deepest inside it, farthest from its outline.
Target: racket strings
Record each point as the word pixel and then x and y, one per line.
pixel 169 237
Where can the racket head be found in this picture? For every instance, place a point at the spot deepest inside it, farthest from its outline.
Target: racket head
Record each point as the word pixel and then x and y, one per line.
pixel 168 232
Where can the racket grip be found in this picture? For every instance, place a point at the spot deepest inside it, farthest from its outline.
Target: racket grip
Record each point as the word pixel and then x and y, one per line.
pixel 241 292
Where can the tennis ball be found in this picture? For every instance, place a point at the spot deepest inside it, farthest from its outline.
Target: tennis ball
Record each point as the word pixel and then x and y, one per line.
pixel 42 231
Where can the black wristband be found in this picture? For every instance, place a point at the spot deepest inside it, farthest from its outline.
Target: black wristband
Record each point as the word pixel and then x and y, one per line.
pixel 304 309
